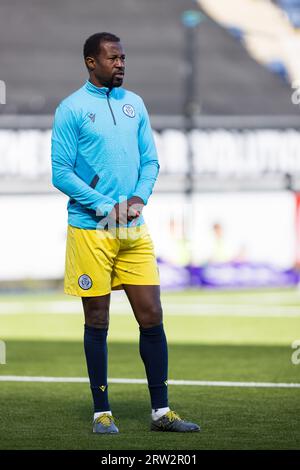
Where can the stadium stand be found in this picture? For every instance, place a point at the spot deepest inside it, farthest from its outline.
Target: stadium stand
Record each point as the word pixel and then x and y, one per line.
pixel 292 10
pixel 248 126
pixel 266 30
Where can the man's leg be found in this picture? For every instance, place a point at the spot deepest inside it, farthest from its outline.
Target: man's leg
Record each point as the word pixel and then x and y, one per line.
pixel 146 305
pixel 96 312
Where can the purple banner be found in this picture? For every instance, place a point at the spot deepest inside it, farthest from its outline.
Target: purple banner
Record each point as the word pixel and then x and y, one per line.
pixel 227 275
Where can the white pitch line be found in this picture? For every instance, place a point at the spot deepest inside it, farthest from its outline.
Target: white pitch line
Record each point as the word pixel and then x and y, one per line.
pixel 171 309
pixel 200 383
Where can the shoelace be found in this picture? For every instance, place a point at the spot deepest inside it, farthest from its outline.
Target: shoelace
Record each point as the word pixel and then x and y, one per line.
pixel 105 419
pixel 172 416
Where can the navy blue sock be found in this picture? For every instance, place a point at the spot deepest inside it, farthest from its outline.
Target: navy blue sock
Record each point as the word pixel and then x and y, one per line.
pixel 154 352
pixel 95 348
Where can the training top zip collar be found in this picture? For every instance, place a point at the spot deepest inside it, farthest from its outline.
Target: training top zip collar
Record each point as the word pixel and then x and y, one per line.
pixel 98 91
pixel 101 92
pixel 108 102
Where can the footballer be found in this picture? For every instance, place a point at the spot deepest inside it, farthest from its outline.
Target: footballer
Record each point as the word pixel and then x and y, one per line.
pixel 104 158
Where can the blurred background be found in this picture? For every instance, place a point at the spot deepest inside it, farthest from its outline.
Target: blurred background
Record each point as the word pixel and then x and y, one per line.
pixel 221 81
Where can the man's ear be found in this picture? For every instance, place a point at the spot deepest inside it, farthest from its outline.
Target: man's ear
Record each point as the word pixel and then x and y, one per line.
pixel 90 63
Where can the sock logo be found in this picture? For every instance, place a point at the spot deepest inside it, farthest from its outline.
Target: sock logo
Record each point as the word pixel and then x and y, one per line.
pixel 85 282
pixel 166 383
pixel 102 387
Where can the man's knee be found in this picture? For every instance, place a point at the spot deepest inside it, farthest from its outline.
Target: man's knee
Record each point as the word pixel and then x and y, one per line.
pixel 96 314
pixel 97 319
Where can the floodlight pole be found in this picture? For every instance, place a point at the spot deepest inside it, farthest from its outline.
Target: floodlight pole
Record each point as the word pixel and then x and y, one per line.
pixel 191 19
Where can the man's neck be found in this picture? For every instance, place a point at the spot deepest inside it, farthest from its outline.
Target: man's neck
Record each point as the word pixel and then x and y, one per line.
pixel 96 82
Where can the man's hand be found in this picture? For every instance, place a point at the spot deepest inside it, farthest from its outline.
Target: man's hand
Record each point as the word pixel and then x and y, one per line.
pixel 127 210
pixel 135 206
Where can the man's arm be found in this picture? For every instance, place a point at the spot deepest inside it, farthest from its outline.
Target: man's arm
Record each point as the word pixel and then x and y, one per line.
pixel 65 135
pixel 149 161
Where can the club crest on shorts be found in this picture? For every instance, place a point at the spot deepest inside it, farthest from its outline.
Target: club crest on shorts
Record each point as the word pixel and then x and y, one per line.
pixel 85 282
pixel 129 110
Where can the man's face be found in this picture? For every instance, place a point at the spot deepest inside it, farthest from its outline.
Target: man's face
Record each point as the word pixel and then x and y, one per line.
pixel 109 65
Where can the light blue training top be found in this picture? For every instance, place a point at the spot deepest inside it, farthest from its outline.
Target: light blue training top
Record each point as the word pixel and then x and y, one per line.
pixel 102 153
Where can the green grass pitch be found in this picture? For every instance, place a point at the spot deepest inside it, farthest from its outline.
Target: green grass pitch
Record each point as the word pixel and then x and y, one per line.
pixel 215 336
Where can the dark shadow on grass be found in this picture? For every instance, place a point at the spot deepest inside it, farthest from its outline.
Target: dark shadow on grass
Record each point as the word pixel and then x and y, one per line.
pixel 186 361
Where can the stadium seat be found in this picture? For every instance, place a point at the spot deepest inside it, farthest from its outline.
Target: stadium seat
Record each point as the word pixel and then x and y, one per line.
pixel 278 67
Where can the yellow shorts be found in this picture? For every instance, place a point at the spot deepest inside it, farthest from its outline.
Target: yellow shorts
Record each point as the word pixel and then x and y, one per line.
pixel 98 261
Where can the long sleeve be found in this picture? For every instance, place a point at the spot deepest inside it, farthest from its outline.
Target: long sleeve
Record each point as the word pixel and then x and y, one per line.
pixel 149 161
pixel 65 136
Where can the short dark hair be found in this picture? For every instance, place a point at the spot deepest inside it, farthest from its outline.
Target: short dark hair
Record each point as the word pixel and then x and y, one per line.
pixel 92 44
